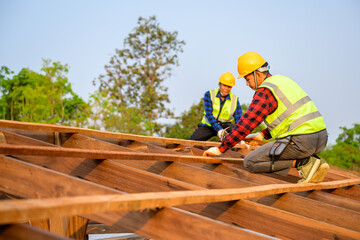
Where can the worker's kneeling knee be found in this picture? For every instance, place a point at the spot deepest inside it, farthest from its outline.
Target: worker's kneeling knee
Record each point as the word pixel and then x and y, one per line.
pixel 248 164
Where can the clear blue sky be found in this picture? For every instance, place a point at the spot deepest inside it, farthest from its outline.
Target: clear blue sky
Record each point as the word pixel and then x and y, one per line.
pixel 314 42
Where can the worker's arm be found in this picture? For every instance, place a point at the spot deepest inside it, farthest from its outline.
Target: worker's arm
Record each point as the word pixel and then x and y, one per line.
pixel 263 104
pixel 209 112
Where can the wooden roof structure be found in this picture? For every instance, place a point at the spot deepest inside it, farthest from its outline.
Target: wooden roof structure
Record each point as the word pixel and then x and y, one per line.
pixel 60 182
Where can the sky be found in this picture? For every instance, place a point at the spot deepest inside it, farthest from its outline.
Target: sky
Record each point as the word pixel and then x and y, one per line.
pixel 314 42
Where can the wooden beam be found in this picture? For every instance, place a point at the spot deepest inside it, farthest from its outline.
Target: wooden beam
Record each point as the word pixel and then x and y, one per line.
pixel 25 232
pixel 236 214
pixel 352 192
pixel 44 136
pixel 17 176
pixel 208 179
pixel 91 132
pixel 9 149
pixel 77 227
pixel 172 223
pixel 2 138
pixel 272 221
pixel 107 173
pixel 332 199
pixel 320 196
pixel 141 223
pixel 20 210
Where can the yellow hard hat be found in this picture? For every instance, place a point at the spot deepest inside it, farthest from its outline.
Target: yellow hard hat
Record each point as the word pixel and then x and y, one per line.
pixel 227 79
pixel 249 62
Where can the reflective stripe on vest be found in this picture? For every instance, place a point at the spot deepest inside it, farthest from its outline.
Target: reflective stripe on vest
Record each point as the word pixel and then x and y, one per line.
pixel 227 111
pixel 296 113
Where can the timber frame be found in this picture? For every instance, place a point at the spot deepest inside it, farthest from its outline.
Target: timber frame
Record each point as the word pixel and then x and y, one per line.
pixel 59 182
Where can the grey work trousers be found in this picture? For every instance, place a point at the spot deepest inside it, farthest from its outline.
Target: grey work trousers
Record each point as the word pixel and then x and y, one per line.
pixel 258 161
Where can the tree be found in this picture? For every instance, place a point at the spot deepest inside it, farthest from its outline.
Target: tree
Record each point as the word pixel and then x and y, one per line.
pixel 5 103
pixel 134 78
pixel 46 98
pixel 186 123
pixel 346 152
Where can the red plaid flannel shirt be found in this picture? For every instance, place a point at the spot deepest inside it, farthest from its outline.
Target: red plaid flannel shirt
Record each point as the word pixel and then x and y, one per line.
pixel 262 105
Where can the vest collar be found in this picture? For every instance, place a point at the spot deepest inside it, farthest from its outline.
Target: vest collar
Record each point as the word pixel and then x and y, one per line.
pixel 218 95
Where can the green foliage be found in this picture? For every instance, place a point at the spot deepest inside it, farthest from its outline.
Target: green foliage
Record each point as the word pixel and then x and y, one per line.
pixel 44 98
pixel 111 117
pixel 346 152
pixel 186 123
pixel 133 83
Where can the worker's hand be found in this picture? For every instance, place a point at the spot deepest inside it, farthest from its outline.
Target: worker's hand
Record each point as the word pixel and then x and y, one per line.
pixel 214 151
pixel 247 146
pixel 255 136
pixel 222 134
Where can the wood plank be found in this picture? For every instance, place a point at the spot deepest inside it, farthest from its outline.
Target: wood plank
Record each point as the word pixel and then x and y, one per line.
pixel 16 177
pixel 58 225
pixel 2 138
pixel 9 149
pixel 105 172
pixel 25 232
pixel 352 192
pixel 171 223
pixel 208 179
pixel 40 223
pixel 20 210
pixel 91 132
pixel 77 227
pixel 284 224
pixel 137 221
pixel 320 196
pixel 272 221
pixel 44 136
pixel 333 199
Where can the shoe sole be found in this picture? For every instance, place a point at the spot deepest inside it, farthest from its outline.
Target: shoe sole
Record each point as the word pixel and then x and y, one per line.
pixel 312 172
pixel 320 173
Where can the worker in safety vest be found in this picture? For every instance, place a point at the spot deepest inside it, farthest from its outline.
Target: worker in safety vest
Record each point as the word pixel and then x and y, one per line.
pixel 222 111
pixel 291 118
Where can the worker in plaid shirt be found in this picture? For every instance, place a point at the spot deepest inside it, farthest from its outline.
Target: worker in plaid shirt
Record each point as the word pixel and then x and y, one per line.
pixel 291 117
pixel 222 111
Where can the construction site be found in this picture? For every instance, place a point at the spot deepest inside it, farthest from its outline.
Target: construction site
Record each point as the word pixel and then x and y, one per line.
pixel 59 182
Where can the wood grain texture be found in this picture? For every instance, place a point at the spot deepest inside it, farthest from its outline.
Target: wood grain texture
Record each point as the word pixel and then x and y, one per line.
pixel 332 212
pixel 9 149
pixel 139 221
pixel 25 232
pixel 20 210
pixel 91 132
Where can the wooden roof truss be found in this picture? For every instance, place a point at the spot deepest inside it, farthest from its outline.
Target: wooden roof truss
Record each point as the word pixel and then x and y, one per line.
pixel 60 182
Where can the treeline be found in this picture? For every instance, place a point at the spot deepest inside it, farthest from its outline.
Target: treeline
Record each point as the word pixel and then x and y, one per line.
pixel 345 153
pixel 131 96
pixel 45 97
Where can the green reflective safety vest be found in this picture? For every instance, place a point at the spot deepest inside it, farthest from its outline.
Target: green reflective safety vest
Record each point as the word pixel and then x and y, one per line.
pixel 296 113
pixel 227 111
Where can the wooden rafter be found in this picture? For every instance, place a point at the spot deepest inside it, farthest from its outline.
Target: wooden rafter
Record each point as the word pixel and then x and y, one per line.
pixel 91 132
pixel 334 211
pixel 8 149
pixel 20 210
